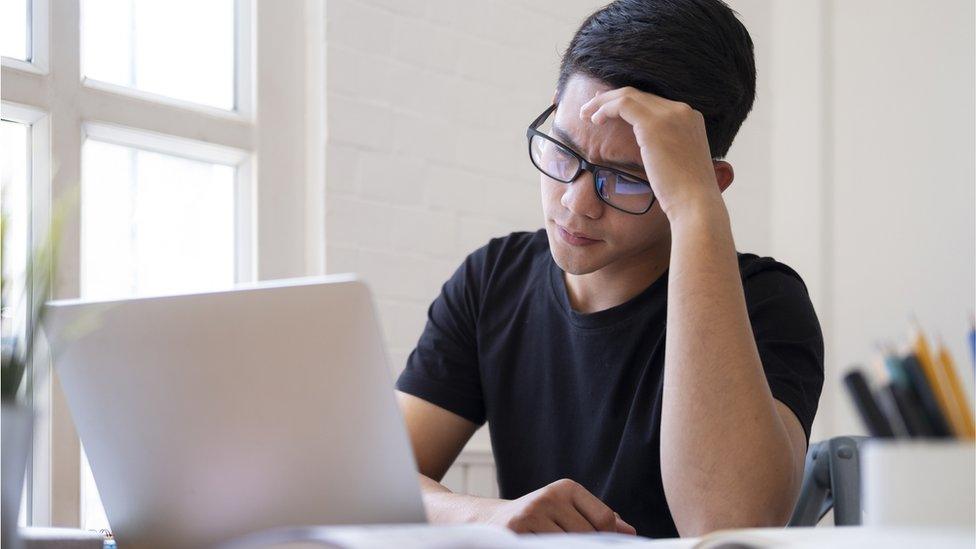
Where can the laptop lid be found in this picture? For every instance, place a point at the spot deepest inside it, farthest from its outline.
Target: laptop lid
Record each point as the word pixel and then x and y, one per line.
pixel 211 415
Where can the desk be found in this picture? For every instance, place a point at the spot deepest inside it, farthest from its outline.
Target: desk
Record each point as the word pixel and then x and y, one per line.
pixel 421 536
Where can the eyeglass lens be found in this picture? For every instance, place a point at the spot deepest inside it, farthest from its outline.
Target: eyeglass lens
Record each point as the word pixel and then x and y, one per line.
pixel 618 190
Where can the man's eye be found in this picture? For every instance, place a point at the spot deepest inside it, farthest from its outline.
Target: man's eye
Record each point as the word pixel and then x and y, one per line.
pixel 629 186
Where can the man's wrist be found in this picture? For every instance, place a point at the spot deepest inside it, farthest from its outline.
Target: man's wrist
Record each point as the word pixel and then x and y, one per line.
pixel 697 211
pixel 449 507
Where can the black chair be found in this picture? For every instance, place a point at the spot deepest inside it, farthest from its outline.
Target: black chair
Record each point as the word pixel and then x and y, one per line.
pixel 831 479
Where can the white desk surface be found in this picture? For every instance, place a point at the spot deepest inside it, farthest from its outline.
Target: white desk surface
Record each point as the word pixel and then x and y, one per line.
pixel 485 537
pixel 482 537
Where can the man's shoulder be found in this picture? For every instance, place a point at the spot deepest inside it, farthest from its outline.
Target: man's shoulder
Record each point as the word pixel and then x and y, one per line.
pixel 513 259
pixel 513 249
pixel 766 271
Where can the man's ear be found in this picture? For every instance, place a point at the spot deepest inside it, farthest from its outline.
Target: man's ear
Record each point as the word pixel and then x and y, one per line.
pixel 724 174
pixel 555 94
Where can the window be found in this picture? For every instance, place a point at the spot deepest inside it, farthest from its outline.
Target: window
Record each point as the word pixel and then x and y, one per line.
pixel 174 150
pixel 130 43
pixel 154 223
pixel 14 29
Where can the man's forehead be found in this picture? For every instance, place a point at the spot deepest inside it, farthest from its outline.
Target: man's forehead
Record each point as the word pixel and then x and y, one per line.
pixel 580 88
pixel 613 150
pixel 612 143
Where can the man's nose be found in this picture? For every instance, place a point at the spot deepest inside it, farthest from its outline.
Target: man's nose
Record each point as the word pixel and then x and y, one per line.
pixel 580 198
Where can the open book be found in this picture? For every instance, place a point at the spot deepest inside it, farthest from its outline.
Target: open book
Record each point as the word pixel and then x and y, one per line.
pixel 421 536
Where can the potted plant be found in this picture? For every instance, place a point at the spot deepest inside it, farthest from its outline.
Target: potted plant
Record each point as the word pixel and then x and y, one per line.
pixel 21 316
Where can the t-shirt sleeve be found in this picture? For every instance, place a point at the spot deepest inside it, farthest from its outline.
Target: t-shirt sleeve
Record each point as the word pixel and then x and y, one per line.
pixel 443 368
pixel 789 340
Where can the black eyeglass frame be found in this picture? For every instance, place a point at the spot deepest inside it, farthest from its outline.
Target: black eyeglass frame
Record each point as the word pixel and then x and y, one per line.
pixel 584 164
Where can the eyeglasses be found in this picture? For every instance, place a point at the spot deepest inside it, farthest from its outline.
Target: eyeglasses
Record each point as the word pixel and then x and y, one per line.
pixel 615 188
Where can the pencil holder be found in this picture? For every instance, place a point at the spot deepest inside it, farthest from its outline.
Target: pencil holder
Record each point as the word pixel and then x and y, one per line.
pixel 919 483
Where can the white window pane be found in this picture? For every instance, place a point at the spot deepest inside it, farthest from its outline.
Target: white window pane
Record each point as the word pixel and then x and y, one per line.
pixel 177 48
pixel 154 223
pixel 14 171
pixel 14 25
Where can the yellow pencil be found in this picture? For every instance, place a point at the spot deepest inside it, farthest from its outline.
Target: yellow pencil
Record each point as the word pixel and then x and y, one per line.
pixel 937 379
pixel 962 403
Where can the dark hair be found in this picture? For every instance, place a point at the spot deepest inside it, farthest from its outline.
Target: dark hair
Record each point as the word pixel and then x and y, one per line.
pixel 693 51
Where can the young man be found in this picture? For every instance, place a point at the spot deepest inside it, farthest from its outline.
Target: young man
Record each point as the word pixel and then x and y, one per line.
pixel 600 418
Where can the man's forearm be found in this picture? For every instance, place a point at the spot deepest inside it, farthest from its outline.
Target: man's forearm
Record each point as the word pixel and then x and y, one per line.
pixel 444 506
pixel 725 453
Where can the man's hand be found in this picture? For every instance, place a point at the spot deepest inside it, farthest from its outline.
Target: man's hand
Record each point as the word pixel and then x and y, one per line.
pixel 672 139
pixel 563 506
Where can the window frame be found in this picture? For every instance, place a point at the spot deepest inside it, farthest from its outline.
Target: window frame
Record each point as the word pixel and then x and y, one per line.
pixel 64 108
pixel 38 393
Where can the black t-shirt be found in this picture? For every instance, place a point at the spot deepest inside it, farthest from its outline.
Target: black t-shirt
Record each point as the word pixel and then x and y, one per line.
pixel 570 395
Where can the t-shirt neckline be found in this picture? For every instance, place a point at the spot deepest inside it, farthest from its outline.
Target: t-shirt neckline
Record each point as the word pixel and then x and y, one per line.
pixel 607 317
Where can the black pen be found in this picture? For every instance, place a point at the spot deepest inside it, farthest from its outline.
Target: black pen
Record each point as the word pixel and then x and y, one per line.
pixel 867 406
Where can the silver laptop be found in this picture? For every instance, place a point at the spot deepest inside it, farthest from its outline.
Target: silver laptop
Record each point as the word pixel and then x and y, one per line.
pixel 213 415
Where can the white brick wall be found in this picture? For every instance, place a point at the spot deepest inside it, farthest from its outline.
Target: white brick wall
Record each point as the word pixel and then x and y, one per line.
pixel 427 103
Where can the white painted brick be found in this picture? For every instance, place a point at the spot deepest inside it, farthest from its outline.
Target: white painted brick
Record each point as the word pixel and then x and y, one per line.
pixel 397 359
pixel 422 136
pixel 439 270
pixel 477 104
pixel 354 122
pixel 341 259
pixel 446 43
pixel 342 169
pixel 356 74
pixel 402 322
pixel 513 200
pixel 512 147
pixel 488 19
pixel 409 8
pixel 450 188
pixel 352 221
pixel 358 26
pixel 439 94
pixel 407 88
pixel 425 45
pixel 395 275
pixel 564 13
pixel 444 12
pixel 341 226
pixel 474 149
pixel 424 232
pixel 522 29
pixel 342 68
pixel 476 59
pixel 396 179
pixel 411 41
pixel 474 232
